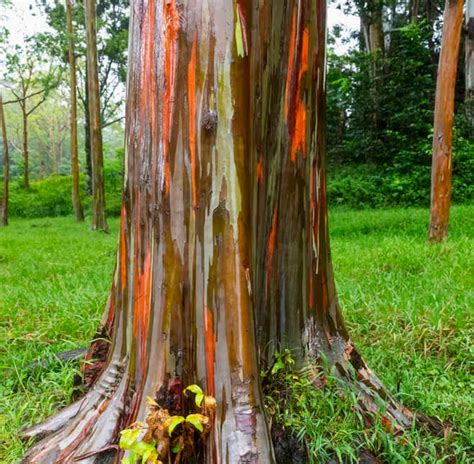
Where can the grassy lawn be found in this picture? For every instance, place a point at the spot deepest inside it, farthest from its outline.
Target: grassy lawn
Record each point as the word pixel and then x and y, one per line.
pixel 409 306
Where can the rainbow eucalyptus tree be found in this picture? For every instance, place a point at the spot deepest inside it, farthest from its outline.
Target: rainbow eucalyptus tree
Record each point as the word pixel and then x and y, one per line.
pixel 223 250
pixel 441 171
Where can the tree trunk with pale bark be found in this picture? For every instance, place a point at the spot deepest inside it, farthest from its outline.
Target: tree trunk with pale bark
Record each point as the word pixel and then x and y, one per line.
pixel 99 221
pixel 25 152
pixel 6 168
pixel 76 199
pixel 443 121
pixel 224 250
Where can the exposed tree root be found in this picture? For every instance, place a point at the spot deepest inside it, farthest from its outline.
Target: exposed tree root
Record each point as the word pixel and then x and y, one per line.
pixel 87 426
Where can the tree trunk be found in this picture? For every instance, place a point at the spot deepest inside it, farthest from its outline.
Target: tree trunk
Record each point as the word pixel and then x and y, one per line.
pixel 76 199
pixel 99 221
pixel 376 28
pixel 224 222
pixel 469 63
pixel 26 175
pixel 443 121
pixel 6 168
pixel 87 137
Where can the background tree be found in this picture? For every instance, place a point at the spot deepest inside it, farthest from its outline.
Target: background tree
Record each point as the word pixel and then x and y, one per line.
pixel 30 85
pixel 6 167
pixel 112 41
pixel 443 121
pixel 76 200
pixel 99 221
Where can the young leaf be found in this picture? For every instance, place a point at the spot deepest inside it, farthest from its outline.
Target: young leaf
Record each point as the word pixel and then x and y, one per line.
pixel 150 456
pixel 128 437
pixel 132 458
pixel 278 366
pixel 173 422
pixel 151 402
pixel 196 389
pixel 197 420
pixel 198 399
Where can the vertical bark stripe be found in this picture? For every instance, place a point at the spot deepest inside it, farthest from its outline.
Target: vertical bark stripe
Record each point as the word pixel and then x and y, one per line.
pixel 210 347
pixel 291 60
pixel 259 171
pixel 148 70
pixel 295 109
pixel 271 245
pixel 170 40
pixel 123 249
pixel 192 117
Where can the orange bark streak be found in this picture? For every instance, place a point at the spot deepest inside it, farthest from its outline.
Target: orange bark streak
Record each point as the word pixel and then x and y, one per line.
pixel 299 134
pixel 170 39
pixel 259 171
pixel 142 306
pixel 210 346
pixel 192 117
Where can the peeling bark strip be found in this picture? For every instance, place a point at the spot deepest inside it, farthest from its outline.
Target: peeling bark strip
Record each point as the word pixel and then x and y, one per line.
pixel 222 224
pixel 443 121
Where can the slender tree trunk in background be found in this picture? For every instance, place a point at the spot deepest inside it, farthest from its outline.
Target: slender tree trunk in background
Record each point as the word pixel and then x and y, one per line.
pixel 443 121
pixel 53 149
pixel 6 168
pixel 414 10
pixel 26 174
pixel 469 62
pixel 76 199
pixel 376 28
pixel 99 221
pixel 224 222
pixel 87 137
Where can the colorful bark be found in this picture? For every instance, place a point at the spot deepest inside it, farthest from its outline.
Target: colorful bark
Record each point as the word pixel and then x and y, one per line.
pixel 443 121
pixel 183 310
pixel 224 223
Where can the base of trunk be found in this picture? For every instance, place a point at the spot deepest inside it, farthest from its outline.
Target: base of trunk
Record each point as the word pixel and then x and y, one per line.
pixel 89 429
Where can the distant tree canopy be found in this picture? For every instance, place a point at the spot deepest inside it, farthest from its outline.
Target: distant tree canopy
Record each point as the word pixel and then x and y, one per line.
pixel 112 42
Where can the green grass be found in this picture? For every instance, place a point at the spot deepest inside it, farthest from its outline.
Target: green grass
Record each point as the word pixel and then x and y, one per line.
pixel 54 280
pixel 408 305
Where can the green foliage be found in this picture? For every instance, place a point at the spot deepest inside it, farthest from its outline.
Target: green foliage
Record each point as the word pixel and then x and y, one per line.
pixel 402 183
pixel 138 450
pixel 51 197
pixel 380 122
pixel 55 279
pixel 151 442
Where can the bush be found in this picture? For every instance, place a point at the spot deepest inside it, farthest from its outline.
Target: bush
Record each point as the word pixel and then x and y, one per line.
pixel 370 186
pixel 52 197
